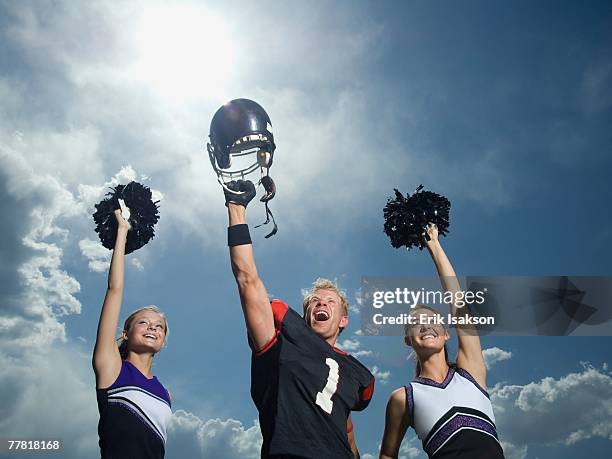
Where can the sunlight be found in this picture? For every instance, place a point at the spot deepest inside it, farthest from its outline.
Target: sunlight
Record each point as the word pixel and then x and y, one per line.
pixel 184 51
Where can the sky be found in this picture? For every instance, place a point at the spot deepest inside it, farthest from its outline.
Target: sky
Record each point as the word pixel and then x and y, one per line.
pixel 503 107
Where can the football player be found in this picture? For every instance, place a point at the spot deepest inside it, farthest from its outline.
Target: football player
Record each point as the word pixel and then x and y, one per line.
pixel 303 386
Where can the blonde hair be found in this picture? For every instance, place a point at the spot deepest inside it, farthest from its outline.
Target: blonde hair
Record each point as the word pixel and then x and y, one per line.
pixel 324 284
pixel 122 343
pixel 417 368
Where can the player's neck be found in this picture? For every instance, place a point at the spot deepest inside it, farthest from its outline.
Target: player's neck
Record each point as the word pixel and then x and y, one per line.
pixel 332 339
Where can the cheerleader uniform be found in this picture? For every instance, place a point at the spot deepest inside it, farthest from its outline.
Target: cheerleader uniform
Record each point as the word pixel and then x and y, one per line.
pixel 453 419
pixel 134 412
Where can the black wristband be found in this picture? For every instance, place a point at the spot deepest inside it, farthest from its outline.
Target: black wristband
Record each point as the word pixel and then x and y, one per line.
pixel 238 235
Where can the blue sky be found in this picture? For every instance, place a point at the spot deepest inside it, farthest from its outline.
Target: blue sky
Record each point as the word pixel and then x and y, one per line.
pixel 504 108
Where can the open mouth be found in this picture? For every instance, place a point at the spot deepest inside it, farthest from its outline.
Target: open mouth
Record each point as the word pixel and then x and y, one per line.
pixel 321 315
pixel 150 336
pixel 430 334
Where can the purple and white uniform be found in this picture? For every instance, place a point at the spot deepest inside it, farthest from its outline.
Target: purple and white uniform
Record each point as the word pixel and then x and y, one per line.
pixel 134 412
pixel 453 418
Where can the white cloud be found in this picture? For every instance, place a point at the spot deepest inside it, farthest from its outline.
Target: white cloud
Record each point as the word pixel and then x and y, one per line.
pixel 409 449
pixel 412 449
pixel 46 283
pixel 35 367
pixel 349 345
pixel 355 308
pixel 353 346
pixel 512 451
pixel 362 353
pixel 92 194
pixel 566 410
pixel 71 156
pixel 98 256
pixel 31 386
pixel 190 436
pixel 382 377
pixel 33 208
pixel 136 263
pixel 494 355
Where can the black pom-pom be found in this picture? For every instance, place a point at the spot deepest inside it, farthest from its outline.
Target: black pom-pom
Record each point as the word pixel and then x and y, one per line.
pixel 144 214
pixel 406 218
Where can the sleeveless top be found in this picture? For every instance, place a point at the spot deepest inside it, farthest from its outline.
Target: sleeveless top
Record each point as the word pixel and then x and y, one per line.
pixel 453 418
pixel 134 412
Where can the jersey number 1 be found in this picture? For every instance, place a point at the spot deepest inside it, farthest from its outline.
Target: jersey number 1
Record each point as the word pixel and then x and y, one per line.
pixel 324 397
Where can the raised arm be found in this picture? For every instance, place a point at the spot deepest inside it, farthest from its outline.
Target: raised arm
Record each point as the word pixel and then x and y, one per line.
pixel 396 424
pixel 253 295
pixel 469 354
pixel 106 358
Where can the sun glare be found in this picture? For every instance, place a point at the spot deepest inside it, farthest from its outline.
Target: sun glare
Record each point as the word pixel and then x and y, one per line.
pixel 184 51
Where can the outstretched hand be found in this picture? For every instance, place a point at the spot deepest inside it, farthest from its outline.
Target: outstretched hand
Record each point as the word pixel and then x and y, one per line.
pixel 242 192
pixel 122 223
pixel 431 234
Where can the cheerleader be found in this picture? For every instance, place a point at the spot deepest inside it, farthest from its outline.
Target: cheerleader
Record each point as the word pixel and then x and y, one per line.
pixel 134 406
pixel 447 404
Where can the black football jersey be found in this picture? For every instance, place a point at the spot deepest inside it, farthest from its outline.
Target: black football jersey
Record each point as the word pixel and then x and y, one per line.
pixel 305 389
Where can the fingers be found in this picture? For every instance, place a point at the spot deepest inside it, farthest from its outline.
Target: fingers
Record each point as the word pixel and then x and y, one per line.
pixel 241 185
pixel 119 215
pixel 247 186
pixel 430 234
pixel 239 192
pixel 122 218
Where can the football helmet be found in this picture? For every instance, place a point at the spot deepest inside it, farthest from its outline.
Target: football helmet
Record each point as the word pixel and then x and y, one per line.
pixel 241 143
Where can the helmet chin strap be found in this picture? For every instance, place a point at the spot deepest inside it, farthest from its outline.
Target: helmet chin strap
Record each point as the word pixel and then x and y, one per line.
pixel 270 188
